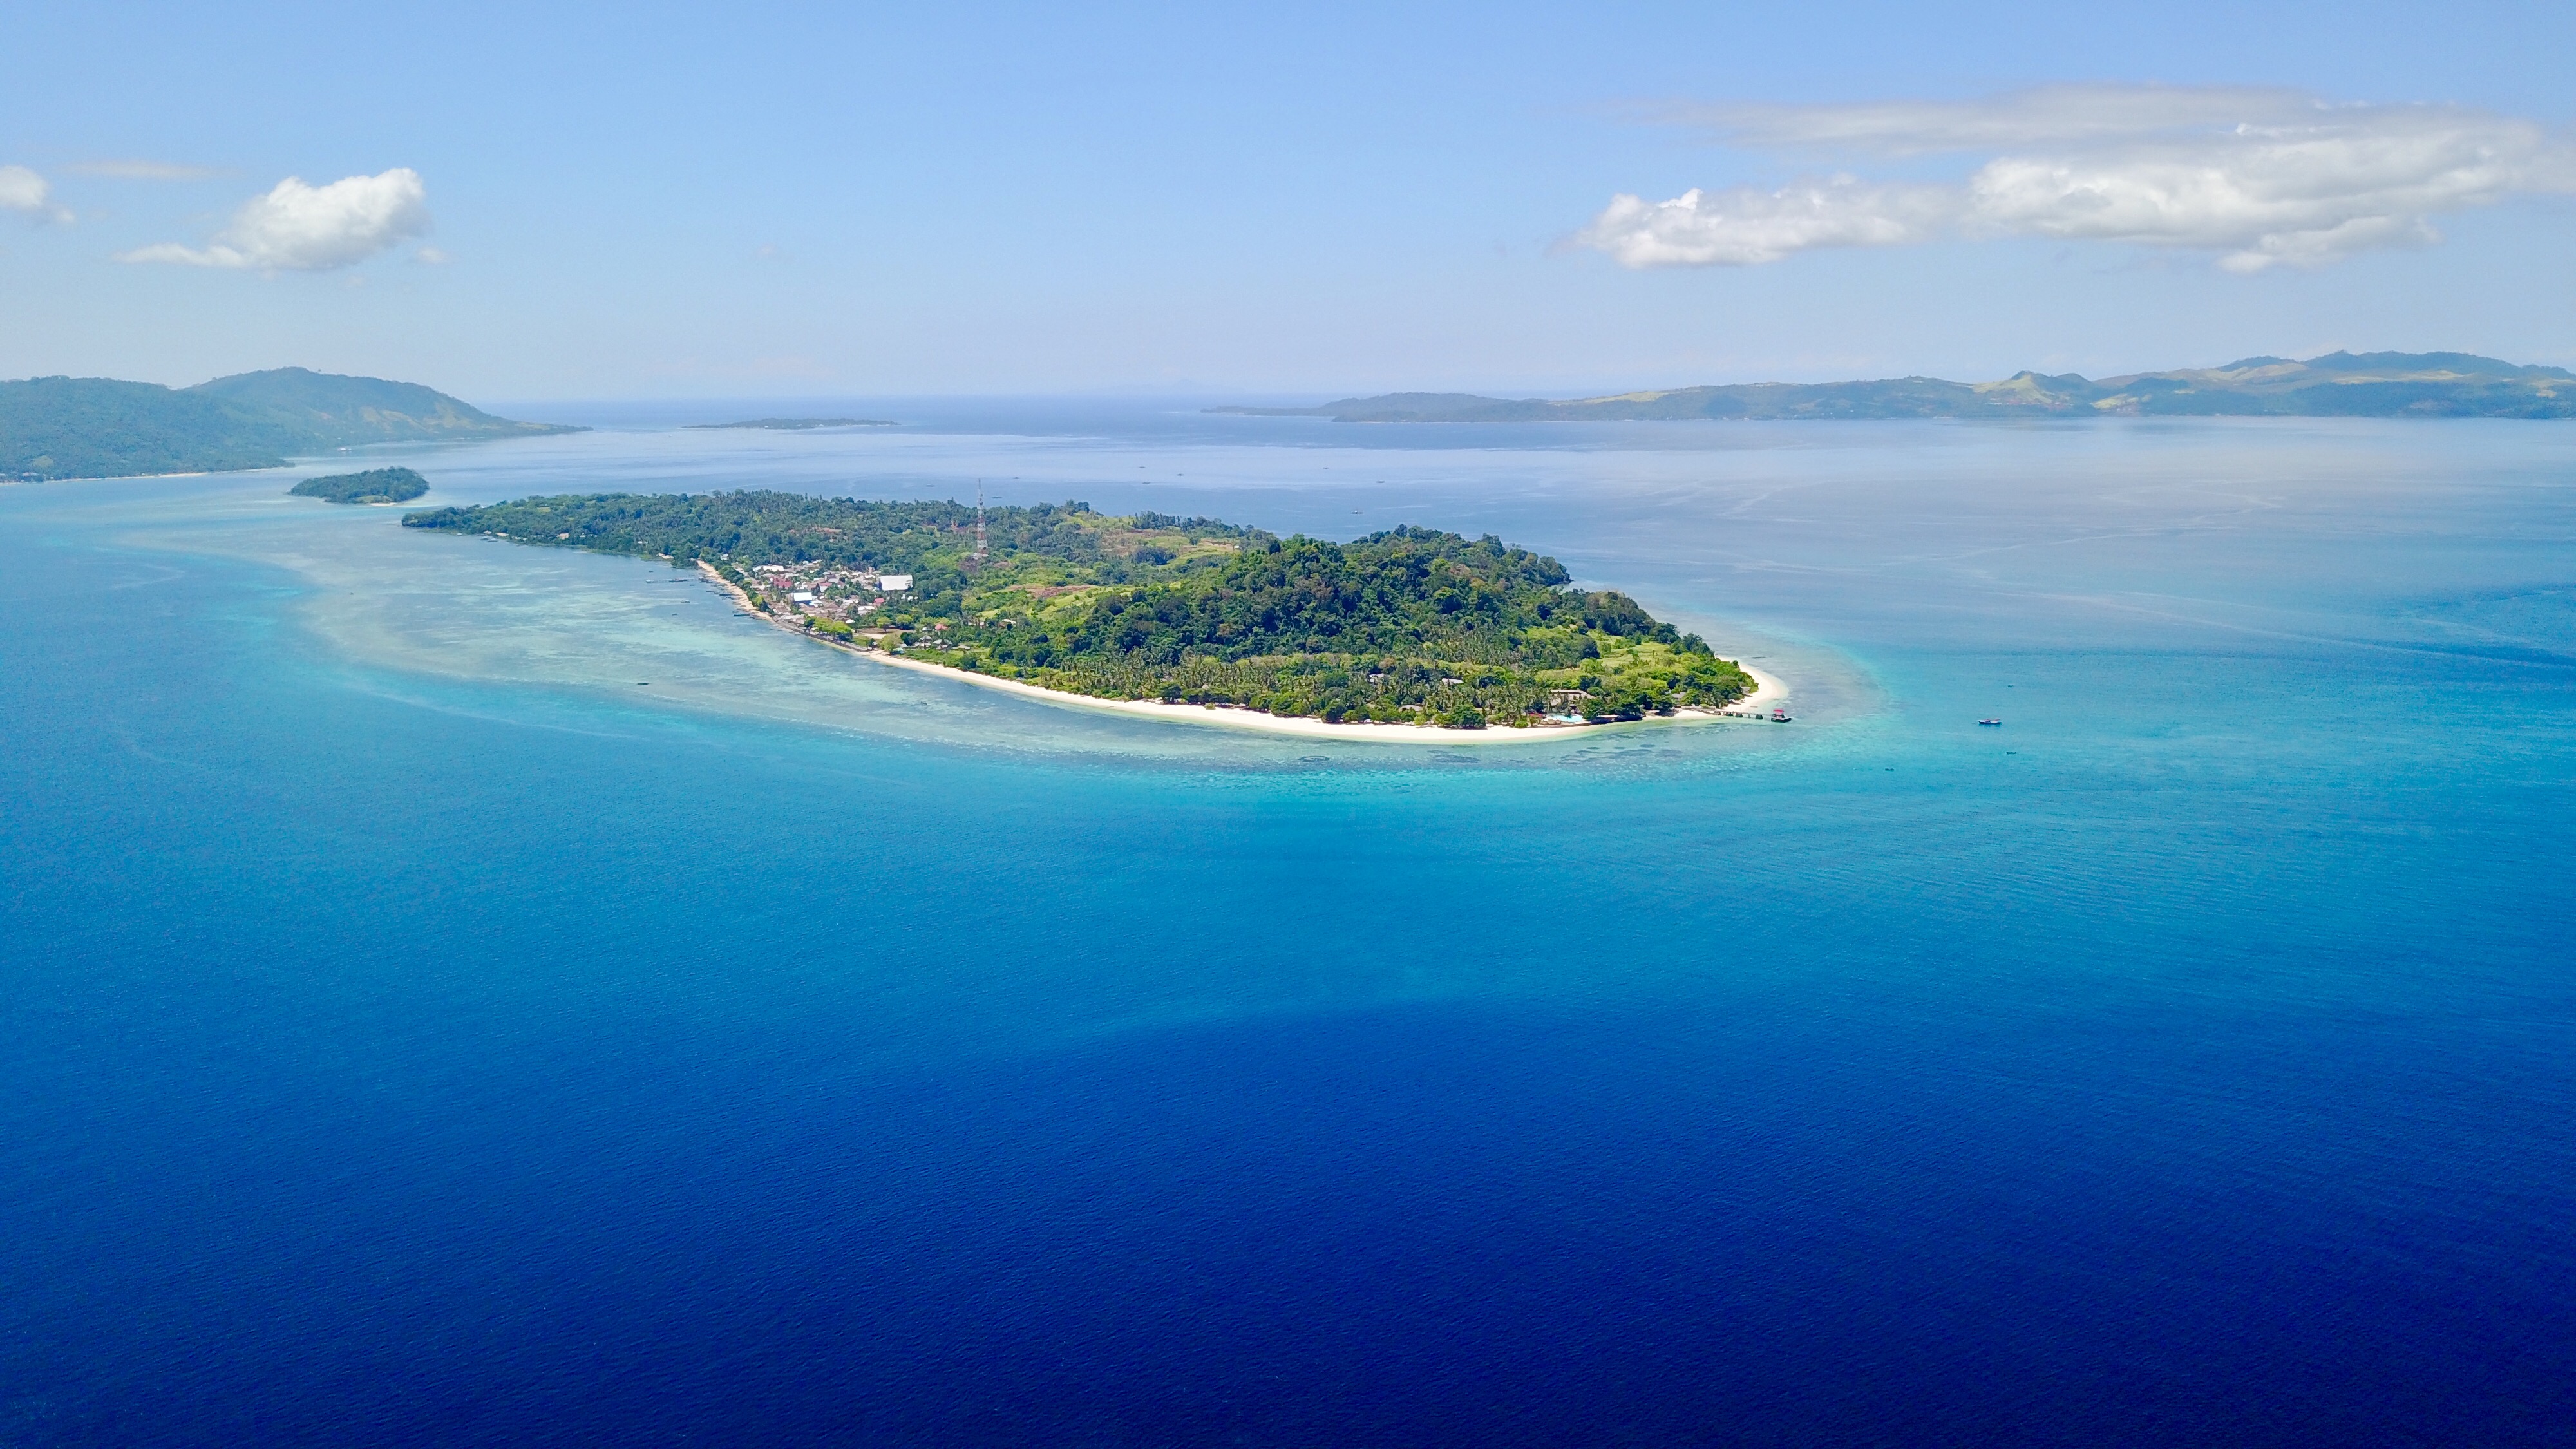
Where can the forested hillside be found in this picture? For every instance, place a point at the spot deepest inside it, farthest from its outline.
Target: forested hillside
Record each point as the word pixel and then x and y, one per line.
pixel 95 427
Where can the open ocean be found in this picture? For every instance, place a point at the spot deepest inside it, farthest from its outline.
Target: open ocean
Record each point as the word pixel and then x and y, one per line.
pixel 456 993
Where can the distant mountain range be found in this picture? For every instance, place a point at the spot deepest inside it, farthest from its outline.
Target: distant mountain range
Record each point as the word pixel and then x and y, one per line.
pixel 96 427
pixel 795 425
pixel 2339 384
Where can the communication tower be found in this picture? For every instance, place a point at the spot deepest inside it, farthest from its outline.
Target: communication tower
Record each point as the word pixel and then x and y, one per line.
pixel 980 550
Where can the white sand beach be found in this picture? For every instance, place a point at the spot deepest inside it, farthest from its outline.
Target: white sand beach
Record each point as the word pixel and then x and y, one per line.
pixel 1768 692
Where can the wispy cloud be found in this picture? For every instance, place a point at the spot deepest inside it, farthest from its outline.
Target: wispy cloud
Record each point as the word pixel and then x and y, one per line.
pixel 1744 227
pixel 2062 115
pixel 296 227
pixel 25 192
pixel 144 170
pixel 2259 177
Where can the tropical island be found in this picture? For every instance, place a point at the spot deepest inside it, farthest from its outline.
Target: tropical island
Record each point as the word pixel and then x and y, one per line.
pixel 2337 385
pixel 796 425
pixel 376 485
pixel 1407 626
pixel 98 427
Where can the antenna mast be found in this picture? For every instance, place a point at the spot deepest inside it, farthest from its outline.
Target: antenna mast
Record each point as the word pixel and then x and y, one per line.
pixel 980 550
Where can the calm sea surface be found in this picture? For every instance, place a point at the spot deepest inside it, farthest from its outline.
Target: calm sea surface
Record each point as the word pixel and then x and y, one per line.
pixel 455 993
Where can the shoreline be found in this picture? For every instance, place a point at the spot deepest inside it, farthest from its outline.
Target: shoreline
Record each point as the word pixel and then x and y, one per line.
pixel 1768 690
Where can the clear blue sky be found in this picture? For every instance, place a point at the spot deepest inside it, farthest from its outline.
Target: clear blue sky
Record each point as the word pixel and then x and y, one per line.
pixel 646 201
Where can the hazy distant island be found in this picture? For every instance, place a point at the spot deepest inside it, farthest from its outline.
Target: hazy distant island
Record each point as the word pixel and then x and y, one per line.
pixel 798 425
pixel 2339 384
pixel 1408 626
pixel 96 427
pixel 376 485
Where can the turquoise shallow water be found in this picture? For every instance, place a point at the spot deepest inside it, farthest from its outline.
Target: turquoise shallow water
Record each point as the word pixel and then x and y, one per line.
pixel 461 993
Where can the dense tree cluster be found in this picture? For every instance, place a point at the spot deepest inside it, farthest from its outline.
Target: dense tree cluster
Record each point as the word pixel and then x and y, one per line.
pixel 930 540
pixel 376 485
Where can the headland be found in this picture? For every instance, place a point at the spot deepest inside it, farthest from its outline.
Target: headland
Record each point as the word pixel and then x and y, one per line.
pixel 96 427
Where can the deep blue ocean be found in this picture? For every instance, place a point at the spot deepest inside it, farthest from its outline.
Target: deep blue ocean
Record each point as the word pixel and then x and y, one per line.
pixel 457 993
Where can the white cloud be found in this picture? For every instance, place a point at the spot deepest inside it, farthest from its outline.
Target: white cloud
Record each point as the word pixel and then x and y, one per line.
pixel 144 170
pixel 22 190
pixel 1742 227
pixel 2047 115
pixel 296 227
pixel 2260 177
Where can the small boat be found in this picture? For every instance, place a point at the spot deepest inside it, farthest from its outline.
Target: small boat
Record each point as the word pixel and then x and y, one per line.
pixel 1995 722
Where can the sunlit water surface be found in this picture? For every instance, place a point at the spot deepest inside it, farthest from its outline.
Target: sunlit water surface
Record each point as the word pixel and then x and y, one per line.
pixel 465 993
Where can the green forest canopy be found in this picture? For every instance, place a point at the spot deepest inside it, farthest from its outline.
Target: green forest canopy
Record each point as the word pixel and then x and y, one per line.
pixel 376 485
pixel 1409 624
